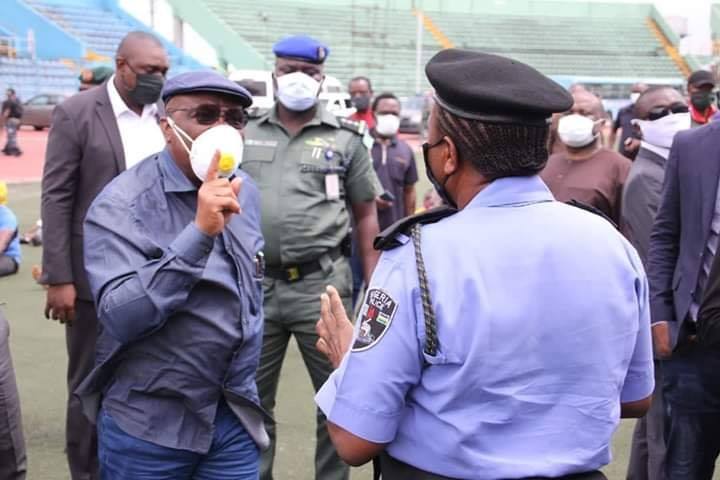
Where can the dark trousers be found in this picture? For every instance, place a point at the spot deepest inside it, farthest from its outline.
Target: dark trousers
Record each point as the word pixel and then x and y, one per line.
pixel 647 454
pixel 393 469
pixel 11 146
pixel 691 387
pixel 80 434
pixel 8 266
pixel 13 461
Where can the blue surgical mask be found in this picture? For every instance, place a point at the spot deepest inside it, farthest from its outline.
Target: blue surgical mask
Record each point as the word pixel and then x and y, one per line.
pixel 297 91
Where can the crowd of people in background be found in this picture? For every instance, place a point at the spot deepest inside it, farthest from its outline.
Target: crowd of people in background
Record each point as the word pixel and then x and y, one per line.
pixel 233 265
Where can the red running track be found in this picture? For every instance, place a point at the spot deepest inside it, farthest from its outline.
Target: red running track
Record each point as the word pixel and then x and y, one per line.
pixel 29 166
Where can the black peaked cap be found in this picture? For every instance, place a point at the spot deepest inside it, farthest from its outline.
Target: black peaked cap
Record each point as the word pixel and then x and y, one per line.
pixel 495 89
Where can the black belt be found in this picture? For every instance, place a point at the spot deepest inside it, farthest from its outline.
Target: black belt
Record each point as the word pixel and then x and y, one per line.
pixel 294 273
pixel 393 469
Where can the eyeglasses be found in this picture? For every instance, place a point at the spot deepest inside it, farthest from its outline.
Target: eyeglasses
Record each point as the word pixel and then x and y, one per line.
pixel 210 113
pixel 660 112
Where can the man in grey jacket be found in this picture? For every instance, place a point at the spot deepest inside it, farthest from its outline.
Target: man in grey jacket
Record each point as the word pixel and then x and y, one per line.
pixel 660 113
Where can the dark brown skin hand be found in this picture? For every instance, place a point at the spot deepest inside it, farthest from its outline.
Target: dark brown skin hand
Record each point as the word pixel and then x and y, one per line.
pixel 60 303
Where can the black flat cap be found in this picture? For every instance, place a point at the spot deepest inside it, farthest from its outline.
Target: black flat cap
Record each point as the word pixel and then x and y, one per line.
pixel 495 89
pixel 205 81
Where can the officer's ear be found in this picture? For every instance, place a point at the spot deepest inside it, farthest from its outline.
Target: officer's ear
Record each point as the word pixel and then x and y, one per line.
pixel 166 129
pixel 452 159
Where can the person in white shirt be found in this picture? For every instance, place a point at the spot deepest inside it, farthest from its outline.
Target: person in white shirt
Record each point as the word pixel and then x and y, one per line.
pixel 95 136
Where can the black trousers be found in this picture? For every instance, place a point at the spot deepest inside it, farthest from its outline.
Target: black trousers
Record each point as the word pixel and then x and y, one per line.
pixel 80 433
pixel 392 469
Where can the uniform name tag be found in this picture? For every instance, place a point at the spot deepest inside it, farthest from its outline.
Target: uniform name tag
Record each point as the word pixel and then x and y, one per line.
pixel 261 143
pixel 332 186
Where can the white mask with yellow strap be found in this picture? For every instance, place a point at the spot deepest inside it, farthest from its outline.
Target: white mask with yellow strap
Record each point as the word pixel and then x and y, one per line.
pixel 222 137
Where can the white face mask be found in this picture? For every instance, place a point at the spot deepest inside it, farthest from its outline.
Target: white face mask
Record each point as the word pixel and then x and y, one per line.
pixel 297 91
pixel 387 125
pixel 222 137
pixel 661 132
pixel 576 130
pixel 634 96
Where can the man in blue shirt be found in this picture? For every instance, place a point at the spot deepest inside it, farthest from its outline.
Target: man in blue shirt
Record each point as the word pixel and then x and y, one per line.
pixel 9 239
pixel 501 340
pixel 173 255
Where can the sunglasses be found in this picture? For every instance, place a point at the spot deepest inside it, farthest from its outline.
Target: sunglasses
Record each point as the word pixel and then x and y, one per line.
pixel 660 112
pixel 210 113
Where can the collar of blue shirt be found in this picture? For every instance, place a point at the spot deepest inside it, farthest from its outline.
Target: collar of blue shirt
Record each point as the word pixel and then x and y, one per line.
pixel 174 180
pixel 512 191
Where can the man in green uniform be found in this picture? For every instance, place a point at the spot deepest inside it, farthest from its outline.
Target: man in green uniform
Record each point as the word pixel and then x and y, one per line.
pixel 312 170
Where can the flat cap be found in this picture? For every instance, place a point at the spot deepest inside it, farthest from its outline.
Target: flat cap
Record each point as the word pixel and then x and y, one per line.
pixel 302 47
pixel 205 81
pixel 701 77
pixel 95 76
pixel 495 89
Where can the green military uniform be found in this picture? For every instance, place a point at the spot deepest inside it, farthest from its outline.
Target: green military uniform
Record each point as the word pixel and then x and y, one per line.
pixel 307 183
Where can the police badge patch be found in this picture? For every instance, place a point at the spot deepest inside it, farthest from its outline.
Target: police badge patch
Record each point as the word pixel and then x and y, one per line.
pixel 375 317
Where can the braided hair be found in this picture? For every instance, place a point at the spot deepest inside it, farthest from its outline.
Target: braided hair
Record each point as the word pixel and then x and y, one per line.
pixel 497 150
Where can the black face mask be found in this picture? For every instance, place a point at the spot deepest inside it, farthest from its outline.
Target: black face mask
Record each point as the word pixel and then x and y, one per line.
pixel 439 187
pixel 148 87
pixel 702 100
pixel 361 102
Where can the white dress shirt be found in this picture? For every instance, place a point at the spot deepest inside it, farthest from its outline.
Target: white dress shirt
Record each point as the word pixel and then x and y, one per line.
pixel 141 135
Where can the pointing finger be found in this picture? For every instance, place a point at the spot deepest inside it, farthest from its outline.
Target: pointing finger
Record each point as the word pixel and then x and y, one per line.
pixel 325 314
pixel 336 304
pixel 212 171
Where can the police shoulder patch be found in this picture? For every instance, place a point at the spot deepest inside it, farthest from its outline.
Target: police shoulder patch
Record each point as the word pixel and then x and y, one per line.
pixel 376 316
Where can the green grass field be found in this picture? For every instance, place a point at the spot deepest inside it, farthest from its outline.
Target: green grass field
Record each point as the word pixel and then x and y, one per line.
pixel 38 349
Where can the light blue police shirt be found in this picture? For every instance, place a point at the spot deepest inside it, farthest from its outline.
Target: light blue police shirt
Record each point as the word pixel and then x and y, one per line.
pixel 544 329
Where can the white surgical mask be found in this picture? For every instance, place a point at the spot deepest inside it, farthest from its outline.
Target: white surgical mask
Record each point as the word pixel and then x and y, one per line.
pixel 576 130
pixel 297 91
pixel 222 137
pixel 634 96
pixel 661 132
pixel 387 125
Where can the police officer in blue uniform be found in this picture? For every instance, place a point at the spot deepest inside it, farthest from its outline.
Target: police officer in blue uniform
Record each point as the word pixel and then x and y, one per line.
pixel 505 336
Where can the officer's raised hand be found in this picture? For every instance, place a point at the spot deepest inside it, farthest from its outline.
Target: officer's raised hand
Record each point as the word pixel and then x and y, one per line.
pixel 334 328
pixel 217 200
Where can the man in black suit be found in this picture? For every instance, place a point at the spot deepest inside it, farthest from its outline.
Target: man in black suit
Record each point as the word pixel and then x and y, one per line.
pixel 660 112
pixel 683 244
pixel 95 136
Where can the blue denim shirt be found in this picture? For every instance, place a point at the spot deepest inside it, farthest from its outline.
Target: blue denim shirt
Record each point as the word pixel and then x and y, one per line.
pixel 180 312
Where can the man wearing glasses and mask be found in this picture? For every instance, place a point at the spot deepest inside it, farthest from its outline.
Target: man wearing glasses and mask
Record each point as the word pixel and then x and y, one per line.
pixel 313 173
pixel 660 113
pixel 95 135
pixel 586 172
pixel 173 255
